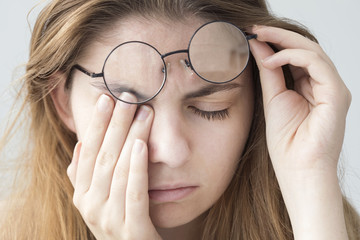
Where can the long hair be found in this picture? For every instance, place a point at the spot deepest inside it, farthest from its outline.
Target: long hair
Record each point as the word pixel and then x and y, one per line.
pixel 41 207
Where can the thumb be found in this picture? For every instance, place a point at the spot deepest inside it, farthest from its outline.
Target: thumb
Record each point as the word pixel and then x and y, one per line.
pixel 272 80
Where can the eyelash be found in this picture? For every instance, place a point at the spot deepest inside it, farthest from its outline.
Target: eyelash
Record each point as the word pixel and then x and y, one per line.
pixel 211 115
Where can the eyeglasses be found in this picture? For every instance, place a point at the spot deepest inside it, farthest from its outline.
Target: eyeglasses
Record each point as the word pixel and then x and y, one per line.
pixel 218 52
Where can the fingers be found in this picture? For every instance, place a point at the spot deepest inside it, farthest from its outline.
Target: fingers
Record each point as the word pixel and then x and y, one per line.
pixel 272 80
pixel 110 168
pixel 320 70
pixel 112 146
pixel 285 39
pixel 137 199
pixel 92 142
pixel 310 66
pixel 282 38
pixel 140 129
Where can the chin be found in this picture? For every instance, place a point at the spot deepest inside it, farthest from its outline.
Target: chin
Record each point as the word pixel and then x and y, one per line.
pixel 171 215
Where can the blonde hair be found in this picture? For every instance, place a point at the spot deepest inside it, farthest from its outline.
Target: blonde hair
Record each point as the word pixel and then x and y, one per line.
pixel 251 208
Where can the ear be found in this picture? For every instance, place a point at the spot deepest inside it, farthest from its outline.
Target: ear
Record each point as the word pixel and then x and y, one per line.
pixel 60 96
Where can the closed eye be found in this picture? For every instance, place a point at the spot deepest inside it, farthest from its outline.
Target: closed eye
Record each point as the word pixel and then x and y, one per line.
pixel 211 115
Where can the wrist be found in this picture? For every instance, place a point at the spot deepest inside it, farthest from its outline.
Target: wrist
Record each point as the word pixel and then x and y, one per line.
pixel 314 203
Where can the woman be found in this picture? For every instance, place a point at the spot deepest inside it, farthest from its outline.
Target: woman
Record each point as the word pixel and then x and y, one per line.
pixel 183 154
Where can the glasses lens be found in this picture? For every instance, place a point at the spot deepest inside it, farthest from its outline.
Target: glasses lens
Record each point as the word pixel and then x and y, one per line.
pixel 219 52
pixel 136 68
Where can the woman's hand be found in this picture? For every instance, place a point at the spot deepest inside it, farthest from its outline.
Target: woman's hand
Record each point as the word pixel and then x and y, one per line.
pixel 304 129
pixel 109 172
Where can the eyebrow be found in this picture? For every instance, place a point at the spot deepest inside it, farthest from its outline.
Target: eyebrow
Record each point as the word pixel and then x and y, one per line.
pixel 202 92
pixel 208 90
pixel 119 88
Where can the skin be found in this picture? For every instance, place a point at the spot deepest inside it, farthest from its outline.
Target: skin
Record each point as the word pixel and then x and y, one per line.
pixel 305 130
pixel 175 145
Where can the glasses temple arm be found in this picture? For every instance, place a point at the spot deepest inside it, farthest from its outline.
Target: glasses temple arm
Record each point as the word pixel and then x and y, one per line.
pixel 249 37
pixel 90 74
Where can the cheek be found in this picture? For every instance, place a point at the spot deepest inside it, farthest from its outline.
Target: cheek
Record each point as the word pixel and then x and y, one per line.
pixel 227 138
pixel 83 101
pixel 223 145
pixel 221 155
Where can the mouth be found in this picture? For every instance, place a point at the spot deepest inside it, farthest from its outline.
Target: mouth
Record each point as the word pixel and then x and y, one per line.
pixel 170 194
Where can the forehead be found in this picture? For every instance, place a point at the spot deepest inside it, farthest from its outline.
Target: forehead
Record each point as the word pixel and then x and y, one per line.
pixel 162 33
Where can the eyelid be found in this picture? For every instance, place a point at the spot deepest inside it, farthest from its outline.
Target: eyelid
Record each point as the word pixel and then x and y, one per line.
pixel 211 115
pixel 211 105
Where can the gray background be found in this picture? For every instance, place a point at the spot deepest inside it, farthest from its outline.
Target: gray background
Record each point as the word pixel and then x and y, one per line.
pixel 335 24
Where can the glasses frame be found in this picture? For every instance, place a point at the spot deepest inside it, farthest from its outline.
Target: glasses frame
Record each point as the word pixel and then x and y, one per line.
pixel 163 56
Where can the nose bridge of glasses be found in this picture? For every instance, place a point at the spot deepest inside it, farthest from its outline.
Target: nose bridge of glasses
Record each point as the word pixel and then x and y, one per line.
pixel 183 61
pixel 174 52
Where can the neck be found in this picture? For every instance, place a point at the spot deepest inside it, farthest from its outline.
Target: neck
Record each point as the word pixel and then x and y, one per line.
pixel 188 231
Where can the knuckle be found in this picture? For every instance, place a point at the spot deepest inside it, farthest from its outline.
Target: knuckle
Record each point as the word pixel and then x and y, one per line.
pixel 107 228
pixel 69 170
pixel 316 46
pixel 315 55
pixel 87 151
pixel 135 196
pixel 126 235
pixel 121 173
pixel 77 201
pixel 129 235
pixel 118 121
pixel 97 128
pixel 90 216
pixel 106 159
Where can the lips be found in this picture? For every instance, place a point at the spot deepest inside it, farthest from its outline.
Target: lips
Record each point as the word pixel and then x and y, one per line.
pixel 170 193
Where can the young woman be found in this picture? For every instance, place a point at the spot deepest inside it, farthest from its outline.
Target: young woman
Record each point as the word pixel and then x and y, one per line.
pixel 158 119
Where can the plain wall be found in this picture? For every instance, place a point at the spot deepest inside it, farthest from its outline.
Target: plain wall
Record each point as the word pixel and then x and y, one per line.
pixel 334 23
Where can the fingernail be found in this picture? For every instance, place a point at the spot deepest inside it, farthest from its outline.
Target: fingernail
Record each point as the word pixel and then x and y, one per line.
pixel 103 104
pixel 127 97
pixel 143 113
pixel 138 145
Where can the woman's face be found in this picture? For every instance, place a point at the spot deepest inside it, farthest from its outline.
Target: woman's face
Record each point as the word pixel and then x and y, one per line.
pixel 185 147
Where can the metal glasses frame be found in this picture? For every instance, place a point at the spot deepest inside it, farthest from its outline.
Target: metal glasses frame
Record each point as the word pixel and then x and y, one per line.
pixel 163 56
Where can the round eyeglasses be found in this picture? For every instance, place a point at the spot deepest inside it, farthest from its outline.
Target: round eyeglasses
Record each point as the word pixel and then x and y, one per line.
pixel 218 52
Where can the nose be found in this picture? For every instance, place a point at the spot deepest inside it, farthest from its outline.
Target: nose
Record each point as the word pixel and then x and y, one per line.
pixel 168 141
